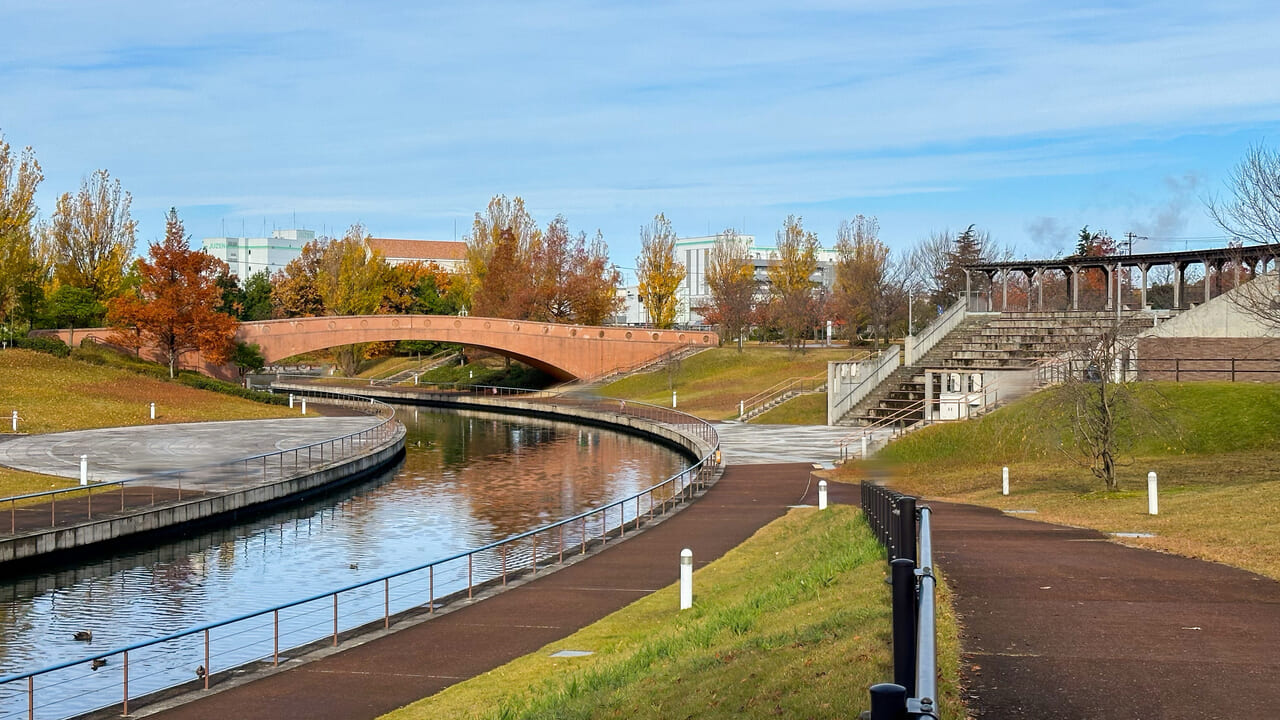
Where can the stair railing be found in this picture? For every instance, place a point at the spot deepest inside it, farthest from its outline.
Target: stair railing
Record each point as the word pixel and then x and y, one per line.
pixel 917 345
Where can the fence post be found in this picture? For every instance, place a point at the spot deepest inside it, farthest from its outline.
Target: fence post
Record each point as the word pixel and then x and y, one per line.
pixel 904 623
pixel 907 527
pixel 888 702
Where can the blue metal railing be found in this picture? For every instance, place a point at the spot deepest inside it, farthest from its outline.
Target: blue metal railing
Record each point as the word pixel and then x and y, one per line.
pixel 906 533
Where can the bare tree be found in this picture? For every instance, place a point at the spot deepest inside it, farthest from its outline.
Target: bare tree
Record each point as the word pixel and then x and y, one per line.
pixel 869 284
pixel 1252 215
pixel 1107 417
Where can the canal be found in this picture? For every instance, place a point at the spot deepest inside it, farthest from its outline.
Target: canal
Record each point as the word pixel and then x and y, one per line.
pixel 467 479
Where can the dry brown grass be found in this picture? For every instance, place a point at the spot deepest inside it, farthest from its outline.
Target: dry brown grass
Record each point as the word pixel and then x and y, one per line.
pixel 1217 507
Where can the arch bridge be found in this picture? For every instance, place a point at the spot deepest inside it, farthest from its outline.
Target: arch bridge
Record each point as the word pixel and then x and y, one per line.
pixel 563 351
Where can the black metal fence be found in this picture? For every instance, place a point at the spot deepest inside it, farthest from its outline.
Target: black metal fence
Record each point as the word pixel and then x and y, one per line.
pixel 904 530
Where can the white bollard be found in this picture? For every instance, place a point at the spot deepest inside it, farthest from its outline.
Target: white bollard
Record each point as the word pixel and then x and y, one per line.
pixel 304 406
pixel 15 421
pixel 1153 502
pixel 673 398
pixel 864 447
pixel 822 494
pixel 415 380
pixel 742 408
pixel 1005 486
pixel 84 469
pixel 471 374
pixel 290 401
pixel 153 411
pixel 686 579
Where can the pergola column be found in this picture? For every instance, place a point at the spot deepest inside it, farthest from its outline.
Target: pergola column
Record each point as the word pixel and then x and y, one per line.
pixel 1179 271
pixel 1111 277
pixel 1074 281
pixel 968 296
pixel 1144 267
pixel 991 296
pixel 1207 288
pixel 1004 290
pixel 1035 276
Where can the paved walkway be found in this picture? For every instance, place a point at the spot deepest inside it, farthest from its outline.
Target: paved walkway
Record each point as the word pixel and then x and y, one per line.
pixel 398 668
pixel 1061 623
pixel 751 443
pixel 125 452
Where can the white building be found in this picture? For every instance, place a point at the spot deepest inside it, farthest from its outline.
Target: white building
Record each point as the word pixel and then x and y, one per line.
pixel 694 253
pixel 248 256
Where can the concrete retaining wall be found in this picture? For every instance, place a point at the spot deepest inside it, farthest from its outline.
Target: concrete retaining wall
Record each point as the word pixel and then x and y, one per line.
pixel 693 446
pixel 202 509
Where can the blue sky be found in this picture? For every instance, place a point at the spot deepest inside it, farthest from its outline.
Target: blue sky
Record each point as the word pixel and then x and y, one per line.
pixel 1028 119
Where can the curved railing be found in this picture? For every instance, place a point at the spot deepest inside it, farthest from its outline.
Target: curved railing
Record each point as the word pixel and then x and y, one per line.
pixel 39 512
pixel 120 675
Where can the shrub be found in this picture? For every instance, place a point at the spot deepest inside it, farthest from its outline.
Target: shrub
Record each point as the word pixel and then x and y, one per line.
pixel 49 345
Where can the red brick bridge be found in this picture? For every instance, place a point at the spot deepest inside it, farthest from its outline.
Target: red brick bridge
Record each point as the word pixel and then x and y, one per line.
pixel 563 351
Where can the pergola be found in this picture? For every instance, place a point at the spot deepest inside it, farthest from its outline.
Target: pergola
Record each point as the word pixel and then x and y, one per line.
pixel 1256 257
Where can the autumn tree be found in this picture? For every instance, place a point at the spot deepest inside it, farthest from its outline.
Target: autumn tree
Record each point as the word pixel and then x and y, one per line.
pixel 731 277
pixel 659 273
pixel 21 269
pixel 93 236
pixel 352 280
pixel 501 248
pixel 868 290
pixel 593 282
pixel 175 306
pixel 791 280
pixel 294 290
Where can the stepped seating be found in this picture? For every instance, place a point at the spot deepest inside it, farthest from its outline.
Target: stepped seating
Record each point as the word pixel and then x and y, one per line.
pixel 1008 341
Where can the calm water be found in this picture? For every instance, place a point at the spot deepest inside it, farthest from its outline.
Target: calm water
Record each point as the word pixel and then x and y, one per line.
pixel 467 479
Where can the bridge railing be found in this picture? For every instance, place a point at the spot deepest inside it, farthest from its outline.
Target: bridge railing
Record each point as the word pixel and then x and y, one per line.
pixel 40 512
pixel 906 533
pixel 134 675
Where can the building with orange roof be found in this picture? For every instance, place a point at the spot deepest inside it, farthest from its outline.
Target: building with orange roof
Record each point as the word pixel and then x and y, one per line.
pixel 448 254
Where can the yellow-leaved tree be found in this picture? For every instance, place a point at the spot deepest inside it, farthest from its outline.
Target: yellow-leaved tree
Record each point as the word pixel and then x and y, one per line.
pixel 92 237
pixel 659 273
pixel 791 280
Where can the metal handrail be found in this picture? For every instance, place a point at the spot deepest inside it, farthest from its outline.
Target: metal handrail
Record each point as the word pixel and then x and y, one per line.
pixel 670 492
pixel 938 329
pixel 383 411
pixel 905 531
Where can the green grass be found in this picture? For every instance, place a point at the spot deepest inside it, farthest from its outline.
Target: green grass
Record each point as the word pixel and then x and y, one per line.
pixel 808 409
pixel 711 383
pixel 1214 446
pixel 792 623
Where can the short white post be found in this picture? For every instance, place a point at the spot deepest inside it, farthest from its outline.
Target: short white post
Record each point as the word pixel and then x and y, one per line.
pixel 153 411
pixel 686 579
pixel 84 469
pixel 15 421
pixel 822 494
pixel 1153 502
pixel 304 406
pixel 415 379
pixel 673 398
pixel 864 447
pixel 471 374
pixel 290 401
pixel 1005 487
pixel 742 408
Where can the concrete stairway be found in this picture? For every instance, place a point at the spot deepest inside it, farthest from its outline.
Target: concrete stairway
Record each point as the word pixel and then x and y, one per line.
pixel 905 387
pixel 1008 341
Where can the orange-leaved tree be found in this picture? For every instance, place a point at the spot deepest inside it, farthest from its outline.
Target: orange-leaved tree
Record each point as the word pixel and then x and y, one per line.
pixel 175 307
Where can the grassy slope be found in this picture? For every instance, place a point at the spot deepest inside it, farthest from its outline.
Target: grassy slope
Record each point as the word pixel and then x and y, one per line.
pixel 792 623
pixel 803 410
pixel 711 383
pixel 54 394
pixel 1215 447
